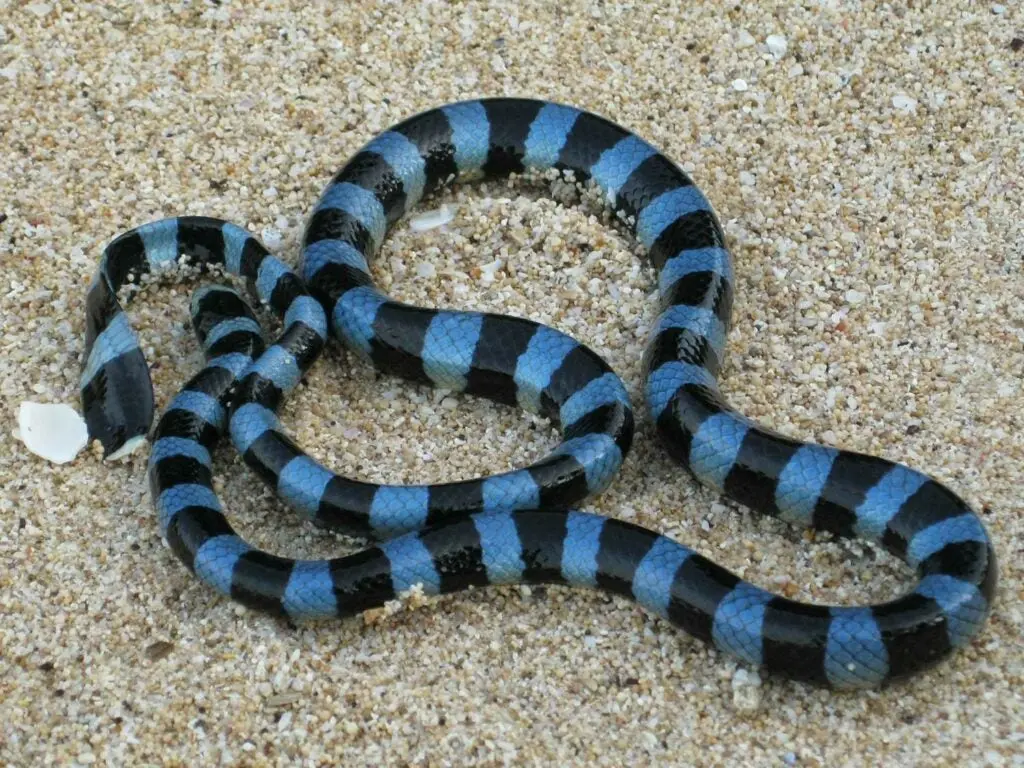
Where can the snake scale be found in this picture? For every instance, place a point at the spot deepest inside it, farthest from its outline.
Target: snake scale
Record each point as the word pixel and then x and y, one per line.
pixel 518 526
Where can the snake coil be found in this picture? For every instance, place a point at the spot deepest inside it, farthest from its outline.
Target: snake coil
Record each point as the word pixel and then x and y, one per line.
pixel 516 527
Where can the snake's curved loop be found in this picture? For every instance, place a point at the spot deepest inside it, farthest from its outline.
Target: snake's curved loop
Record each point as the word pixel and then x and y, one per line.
pixel 513 527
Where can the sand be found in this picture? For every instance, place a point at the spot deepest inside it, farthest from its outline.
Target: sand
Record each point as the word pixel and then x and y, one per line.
pixel 866 163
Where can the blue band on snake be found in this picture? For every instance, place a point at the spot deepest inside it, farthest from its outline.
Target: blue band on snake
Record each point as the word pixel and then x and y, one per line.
pixel 517 527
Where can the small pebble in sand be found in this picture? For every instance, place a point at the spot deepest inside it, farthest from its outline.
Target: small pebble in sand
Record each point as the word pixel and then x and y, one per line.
pixel 904 103
pixel 777 45
pixel 432 219
pixel 272 238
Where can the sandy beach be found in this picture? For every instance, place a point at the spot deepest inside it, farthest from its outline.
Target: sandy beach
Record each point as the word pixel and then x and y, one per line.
pixel 865 160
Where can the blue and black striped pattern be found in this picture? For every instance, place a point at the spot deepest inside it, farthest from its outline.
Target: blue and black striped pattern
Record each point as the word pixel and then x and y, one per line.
pixel 117 395
pixel 514 527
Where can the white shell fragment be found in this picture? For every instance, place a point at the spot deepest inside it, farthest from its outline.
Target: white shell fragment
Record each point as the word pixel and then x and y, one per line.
pixel 54 431
pixel 904 103
pixel 128 448
pixel 432 219
pixel 777 45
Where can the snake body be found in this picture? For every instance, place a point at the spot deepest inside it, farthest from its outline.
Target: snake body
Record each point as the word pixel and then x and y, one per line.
pixel 517 527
